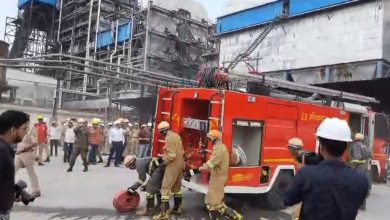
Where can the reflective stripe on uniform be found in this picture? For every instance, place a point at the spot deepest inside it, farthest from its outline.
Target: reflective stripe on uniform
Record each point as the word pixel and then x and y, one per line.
pixel 149 195
pixel 165 198
pixel 140 182
pixel 177 194
pixel 173 155
pixel 211 165
pixel 358 161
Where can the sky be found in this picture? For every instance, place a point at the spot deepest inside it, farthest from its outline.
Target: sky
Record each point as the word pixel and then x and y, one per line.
pixel 9 9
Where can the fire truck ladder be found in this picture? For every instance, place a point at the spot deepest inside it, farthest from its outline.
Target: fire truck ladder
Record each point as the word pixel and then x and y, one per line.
pixel 293 86
pixel 255 44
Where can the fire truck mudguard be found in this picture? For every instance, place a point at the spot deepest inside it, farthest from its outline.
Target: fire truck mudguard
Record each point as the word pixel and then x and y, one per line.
pixel 202 188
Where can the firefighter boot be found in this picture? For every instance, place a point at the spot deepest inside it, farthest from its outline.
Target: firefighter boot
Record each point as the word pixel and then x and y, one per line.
pixel 177 205
pixel 231 214
pixel 157 209
pixel 214 215
pixel 164 214
pixel 85 168
pixel 149 210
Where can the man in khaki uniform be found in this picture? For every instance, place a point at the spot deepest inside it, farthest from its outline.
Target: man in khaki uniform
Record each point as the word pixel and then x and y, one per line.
pixel 174 161
pixel 135 139
pixel 80 145
pixel 127 133
pixel 218 165
pixel 25 158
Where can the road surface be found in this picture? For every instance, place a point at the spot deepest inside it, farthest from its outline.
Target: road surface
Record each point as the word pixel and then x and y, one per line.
pixel 81 196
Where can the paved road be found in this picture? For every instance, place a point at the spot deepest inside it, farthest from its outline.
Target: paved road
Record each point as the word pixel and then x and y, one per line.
pixel 82 196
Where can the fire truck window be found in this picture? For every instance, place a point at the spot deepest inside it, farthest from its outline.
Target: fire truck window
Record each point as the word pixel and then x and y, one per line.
pixel 355 122
pixel 247 137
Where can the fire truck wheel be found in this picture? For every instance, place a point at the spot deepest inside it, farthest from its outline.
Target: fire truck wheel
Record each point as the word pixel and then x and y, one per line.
pixel 273 199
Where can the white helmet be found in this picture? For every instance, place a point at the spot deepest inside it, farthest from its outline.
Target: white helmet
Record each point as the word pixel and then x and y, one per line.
pixel 334 129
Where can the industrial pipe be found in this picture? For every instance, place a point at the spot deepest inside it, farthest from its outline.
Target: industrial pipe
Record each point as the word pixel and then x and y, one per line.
pixel 59 26
pixel 116 41
pixel 89 73
pixel 88 67
pixel 97 27
pixel 149 73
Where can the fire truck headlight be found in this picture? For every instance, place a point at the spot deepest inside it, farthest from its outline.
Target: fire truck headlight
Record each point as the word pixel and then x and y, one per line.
pixel 264 175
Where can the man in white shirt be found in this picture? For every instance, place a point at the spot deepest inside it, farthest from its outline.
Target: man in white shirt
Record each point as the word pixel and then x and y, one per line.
pixel 54 137
pixel 116 139
pixel 68 141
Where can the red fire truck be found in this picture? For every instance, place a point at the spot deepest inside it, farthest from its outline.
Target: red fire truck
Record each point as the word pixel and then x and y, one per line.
pixel 259 125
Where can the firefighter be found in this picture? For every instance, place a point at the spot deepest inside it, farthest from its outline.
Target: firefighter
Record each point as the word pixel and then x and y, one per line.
pixel 359 153
pixel 81 145
pixel 218 165
pixel 295 146
pixel 174 161
pixel 147 166
pixel 359 157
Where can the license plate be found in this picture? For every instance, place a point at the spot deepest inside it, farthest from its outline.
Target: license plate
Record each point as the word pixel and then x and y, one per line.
pixel 196 124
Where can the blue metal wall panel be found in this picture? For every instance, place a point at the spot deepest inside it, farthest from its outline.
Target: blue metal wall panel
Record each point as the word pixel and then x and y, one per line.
pixel 249 17
pixel 304 6
pixel 104 39
pixel 25 3
pixel 124 32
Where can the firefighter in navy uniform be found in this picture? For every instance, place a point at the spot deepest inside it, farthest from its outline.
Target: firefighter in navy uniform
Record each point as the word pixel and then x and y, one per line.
pixel 155 169
pixel 218 165
pixel 174 160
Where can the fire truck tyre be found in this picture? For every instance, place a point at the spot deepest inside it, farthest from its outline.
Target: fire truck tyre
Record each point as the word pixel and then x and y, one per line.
pixel 274 198
pixel 125 202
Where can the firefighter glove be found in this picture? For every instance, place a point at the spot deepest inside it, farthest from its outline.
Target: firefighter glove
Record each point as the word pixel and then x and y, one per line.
pixel 134 187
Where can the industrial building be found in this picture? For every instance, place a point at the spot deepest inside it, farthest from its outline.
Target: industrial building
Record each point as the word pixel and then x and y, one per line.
pixel 340 44
pixel 108 36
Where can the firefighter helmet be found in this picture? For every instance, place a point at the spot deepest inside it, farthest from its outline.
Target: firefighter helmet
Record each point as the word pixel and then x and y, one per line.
pixel 129 160
pixel 295 143
pixel 359 137
pixel 163 126
pixel 117 122
pixel 125 120
pixel 334 129
pixel 150 124
pixel 143 125
pixel 214 134
pixel 40 117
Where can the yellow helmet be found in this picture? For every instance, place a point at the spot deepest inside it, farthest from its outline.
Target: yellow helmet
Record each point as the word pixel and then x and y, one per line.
pixel 359 137
pixel 163 126
pixel 40 117
pixel 129 160
pixel 214 134
pixel 95 121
